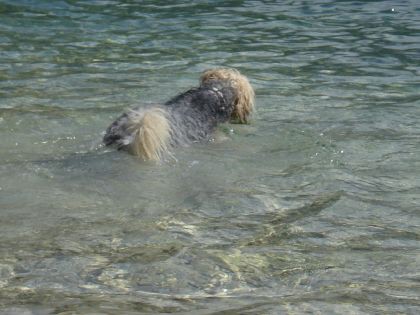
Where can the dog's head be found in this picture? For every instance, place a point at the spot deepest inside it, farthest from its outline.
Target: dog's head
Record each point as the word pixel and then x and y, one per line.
pixel 244 102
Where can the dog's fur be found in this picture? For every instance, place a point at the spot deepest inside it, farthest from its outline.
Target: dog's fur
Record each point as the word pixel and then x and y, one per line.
pixel 150 133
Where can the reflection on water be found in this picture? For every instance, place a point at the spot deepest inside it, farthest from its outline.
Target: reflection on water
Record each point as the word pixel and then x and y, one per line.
pixel 311 208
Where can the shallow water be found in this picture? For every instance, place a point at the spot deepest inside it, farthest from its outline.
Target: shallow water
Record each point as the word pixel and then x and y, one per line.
pixel 314 207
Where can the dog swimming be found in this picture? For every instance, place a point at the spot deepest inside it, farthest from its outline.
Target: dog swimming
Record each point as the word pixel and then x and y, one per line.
pixel 223 95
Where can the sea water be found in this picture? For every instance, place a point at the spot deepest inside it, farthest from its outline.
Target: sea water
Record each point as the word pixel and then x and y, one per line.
pixel 314 207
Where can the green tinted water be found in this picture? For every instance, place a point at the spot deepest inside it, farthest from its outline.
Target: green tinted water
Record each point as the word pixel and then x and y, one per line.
pixel 314 207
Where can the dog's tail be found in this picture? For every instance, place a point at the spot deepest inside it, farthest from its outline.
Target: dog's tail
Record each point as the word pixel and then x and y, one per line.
pixel 151 134
pixel 244 103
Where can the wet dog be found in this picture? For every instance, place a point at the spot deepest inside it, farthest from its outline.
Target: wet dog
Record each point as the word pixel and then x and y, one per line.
pixel 150 133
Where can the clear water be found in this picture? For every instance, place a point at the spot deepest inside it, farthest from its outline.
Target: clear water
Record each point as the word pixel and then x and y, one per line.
pixel 313 208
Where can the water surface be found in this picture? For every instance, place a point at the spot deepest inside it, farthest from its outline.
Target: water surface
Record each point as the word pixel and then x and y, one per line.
pixel 314 207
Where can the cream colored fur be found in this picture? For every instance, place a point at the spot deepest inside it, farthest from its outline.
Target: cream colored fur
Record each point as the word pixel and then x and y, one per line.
pixel 152 132
pixel 244 104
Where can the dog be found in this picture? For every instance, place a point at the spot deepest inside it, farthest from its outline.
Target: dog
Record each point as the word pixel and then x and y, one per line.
pixel 223 95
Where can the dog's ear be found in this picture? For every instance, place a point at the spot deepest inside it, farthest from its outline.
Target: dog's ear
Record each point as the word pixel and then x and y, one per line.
pixel 245 100
pixel 244 103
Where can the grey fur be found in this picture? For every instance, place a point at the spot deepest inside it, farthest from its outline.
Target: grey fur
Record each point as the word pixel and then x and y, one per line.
pixel 193 115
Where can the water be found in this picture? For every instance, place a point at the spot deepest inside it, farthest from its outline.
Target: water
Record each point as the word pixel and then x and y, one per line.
pixel 313 208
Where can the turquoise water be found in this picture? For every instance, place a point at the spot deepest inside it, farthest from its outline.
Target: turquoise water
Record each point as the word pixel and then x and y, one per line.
pixel 312 208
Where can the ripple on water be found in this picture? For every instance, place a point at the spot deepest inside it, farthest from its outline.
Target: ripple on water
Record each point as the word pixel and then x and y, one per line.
pixel 313 208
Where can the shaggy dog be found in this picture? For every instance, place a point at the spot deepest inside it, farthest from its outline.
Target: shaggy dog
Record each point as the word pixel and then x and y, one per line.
pixel 150 133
